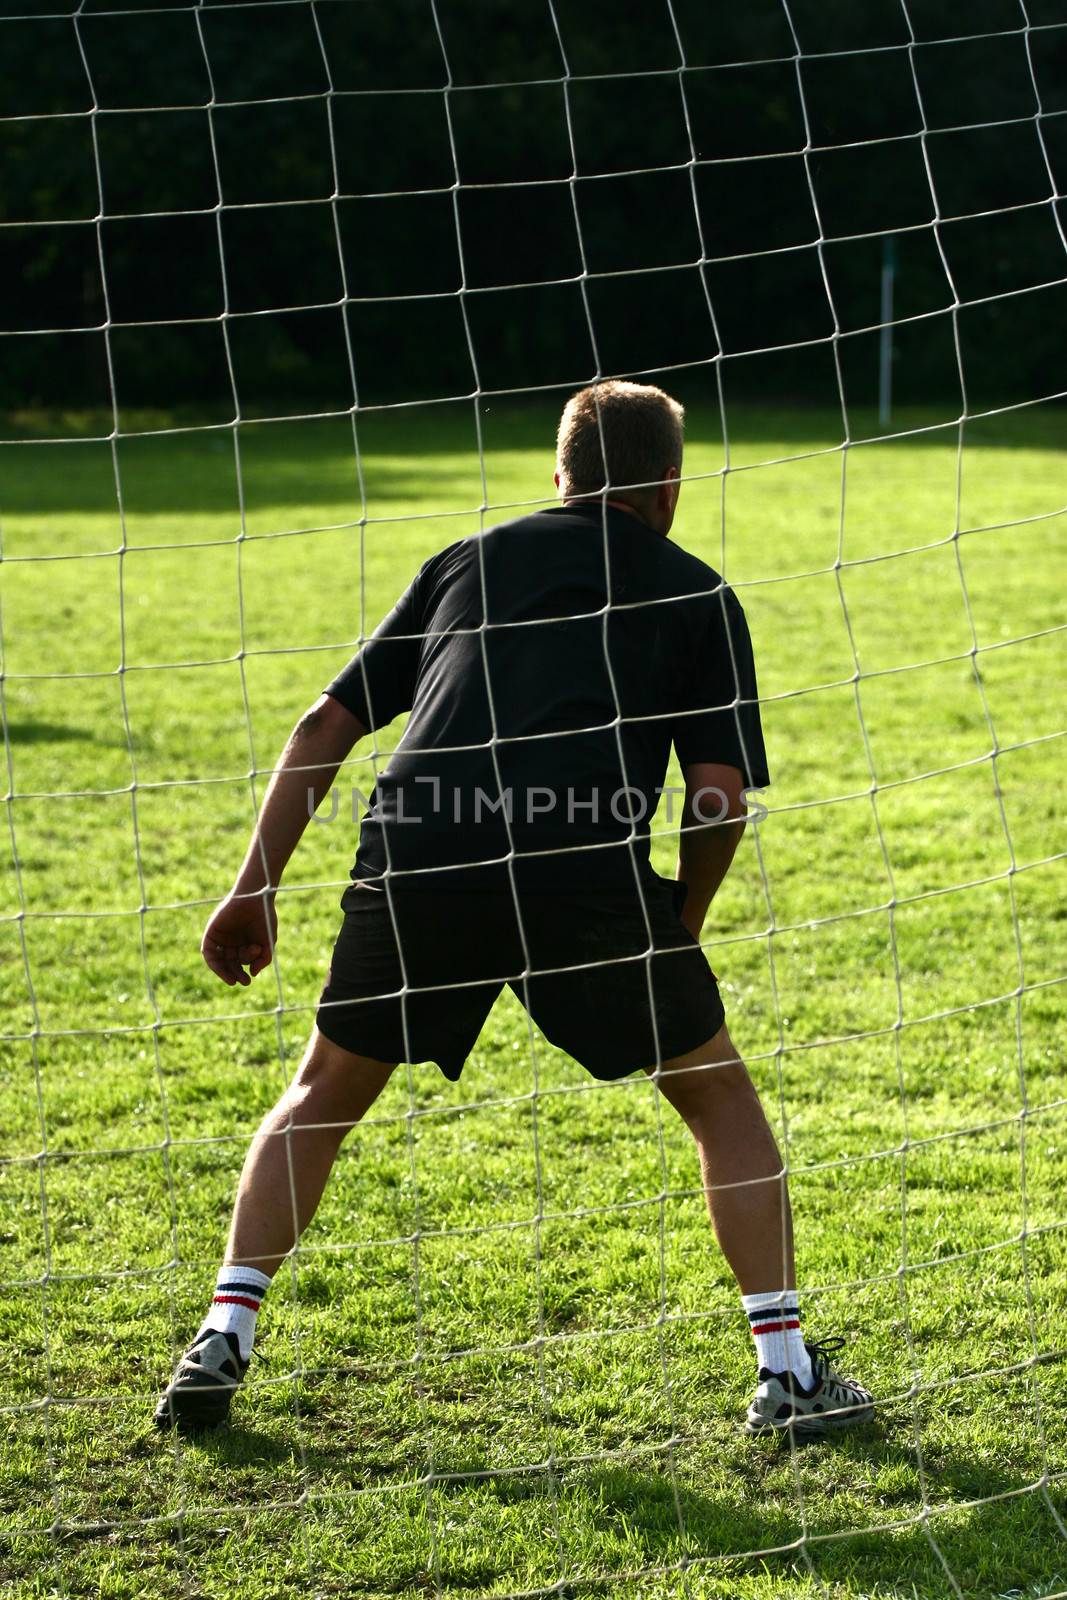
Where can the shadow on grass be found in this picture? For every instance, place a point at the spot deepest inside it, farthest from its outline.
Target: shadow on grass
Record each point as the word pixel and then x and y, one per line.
pixel 640 1516
pixel 47 733
pixel 307 463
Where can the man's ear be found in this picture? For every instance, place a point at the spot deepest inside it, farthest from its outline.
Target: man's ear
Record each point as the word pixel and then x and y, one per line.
pixel 667 493
pixel 555 479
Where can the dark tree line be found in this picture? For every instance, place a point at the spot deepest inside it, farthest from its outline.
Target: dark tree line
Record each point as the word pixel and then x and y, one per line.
pixel 569 167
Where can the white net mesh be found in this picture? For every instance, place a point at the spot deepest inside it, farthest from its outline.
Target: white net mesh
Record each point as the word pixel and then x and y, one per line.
pixel 505 1359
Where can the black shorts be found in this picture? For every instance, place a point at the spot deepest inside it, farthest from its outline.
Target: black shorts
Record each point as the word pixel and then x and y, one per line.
pixel 597 986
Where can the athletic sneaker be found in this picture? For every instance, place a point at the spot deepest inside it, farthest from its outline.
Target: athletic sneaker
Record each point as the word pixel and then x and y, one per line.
pixel 198 1396
pixel 831 1403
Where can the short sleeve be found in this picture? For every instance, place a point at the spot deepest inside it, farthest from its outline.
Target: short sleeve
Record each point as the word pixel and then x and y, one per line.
pixel 720 721
pixel 378 683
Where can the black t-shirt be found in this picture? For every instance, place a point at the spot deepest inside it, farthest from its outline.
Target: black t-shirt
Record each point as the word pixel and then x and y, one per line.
pixel 548 664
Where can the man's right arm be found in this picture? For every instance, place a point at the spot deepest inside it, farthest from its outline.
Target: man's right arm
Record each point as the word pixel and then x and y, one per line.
pixel 719 743
pixel 713 821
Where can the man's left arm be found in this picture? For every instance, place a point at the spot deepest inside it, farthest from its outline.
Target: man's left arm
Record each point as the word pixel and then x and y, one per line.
pixel 243 930
pixel 375 686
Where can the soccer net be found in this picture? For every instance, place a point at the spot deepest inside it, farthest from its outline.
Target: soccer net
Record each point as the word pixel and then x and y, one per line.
pixel 297 291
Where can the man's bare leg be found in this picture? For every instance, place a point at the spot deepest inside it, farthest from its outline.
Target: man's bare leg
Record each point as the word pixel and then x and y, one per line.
pixel 748 1201
pixel 752 1220
pixel 294 1149
pixel 284 1174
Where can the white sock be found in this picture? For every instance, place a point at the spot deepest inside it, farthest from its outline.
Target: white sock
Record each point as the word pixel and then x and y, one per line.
pixel 239 1293
pixel 775 1323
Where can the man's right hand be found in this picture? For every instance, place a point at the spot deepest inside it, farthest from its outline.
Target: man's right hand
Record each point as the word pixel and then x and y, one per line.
pixel 241 933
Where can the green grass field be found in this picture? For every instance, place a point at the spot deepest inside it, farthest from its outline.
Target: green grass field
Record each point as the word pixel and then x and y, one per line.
pixel 509 1359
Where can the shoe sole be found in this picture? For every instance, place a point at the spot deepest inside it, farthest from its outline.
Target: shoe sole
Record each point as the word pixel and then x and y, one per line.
pixel 191 1412
pixel 807 1424
pixel 188 1422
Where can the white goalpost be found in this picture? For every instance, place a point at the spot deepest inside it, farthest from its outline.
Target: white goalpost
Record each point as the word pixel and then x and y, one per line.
pixel 282 325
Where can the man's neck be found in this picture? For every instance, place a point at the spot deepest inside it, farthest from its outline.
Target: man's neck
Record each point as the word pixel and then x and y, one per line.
pixel 616 505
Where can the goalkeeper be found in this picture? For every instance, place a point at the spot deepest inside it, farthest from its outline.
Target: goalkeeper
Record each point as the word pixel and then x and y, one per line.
pixel 547 664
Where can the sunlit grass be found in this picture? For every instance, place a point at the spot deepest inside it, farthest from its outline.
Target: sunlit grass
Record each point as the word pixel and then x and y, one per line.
pixel 528 1399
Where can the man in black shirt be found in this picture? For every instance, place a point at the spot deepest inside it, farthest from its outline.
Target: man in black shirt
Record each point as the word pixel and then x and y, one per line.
pixel 548 665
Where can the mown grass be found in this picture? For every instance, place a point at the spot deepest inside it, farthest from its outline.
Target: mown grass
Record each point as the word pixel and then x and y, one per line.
pixel 505 1363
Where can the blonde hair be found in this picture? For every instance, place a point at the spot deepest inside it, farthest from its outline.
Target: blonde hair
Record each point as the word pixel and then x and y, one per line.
pixel 618 435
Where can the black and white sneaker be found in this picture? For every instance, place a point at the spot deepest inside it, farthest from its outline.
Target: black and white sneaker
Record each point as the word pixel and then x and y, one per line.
pixel 830 1404
pixel 198 1396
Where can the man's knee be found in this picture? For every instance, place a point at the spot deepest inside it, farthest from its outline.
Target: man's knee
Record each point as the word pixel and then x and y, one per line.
pixel 707 1077
pixel 333 1086
pixel 697 1086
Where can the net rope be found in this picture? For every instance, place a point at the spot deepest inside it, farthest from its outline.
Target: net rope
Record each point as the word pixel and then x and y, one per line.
pixel 535 1093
